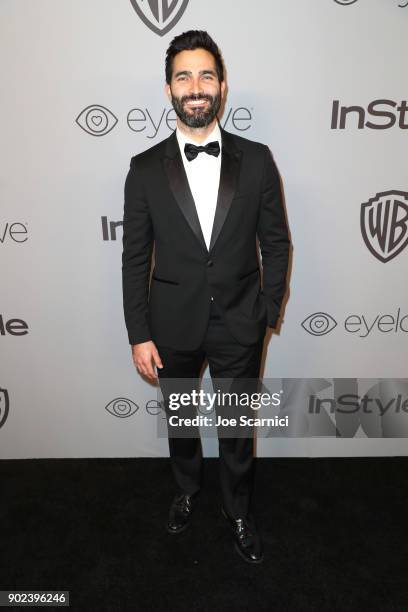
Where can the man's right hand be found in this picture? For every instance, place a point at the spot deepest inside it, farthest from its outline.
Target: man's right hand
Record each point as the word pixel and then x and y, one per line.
pixel 144 356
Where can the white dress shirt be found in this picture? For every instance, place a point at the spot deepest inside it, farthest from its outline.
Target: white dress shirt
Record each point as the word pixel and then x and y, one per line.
pixel 203 174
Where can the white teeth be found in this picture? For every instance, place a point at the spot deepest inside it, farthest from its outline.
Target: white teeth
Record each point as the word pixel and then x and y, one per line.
pixel 196 103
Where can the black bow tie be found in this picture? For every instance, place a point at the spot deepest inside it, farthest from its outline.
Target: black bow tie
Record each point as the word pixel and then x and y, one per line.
pixel 191 151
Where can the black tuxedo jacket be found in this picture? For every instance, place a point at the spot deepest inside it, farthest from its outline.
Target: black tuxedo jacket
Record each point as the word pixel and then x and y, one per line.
pixel 159 209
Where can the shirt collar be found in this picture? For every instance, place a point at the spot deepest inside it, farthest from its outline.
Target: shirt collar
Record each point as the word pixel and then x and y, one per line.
pixel 214 136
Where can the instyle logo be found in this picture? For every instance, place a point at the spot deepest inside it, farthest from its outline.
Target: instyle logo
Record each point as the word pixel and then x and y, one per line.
pixel 96 120
pixel 356 116
pixel 345 407
pixel 13 327
pixel 4 406
pixel 358 324
pixel 384 224
pixel 122 407
pixel 16 232
pixel 160 15
pixel 109 228
pixel 349 403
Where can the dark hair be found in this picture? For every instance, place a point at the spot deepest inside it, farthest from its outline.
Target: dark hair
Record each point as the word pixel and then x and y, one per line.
pixel 188 41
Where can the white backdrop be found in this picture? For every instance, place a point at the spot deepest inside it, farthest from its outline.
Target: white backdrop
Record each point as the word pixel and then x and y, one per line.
pixel 62 180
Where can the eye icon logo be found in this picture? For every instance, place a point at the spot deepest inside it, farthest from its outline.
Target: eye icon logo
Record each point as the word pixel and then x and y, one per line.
pixel 160 16
pixel 4 406
pixel 96 120
pixel 319 324
pixel 122 407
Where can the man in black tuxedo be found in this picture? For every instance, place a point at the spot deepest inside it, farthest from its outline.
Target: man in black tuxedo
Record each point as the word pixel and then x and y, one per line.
pixel 202 197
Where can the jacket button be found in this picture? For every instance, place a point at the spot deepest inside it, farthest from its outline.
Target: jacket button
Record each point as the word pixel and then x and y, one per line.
pixel 210 263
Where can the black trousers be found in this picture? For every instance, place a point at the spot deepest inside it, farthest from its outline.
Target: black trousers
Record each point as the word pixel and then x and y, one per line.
pixel 181 371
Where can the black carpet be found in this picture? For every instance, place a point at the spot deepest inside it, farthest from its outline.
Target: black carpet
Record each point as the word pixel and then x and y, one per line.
pixel 334 532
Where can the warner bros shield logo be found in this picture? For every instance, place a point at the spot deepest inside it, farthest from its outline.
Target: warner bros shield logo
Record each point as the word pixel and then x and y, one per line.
pixel 160 15
pixel 384 224
pixel 4 406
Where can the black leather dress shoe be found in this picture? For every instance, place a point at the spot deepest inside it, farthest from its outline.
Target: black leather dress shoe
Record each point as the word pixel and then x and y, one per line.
pixel 180 513
pixel 247 540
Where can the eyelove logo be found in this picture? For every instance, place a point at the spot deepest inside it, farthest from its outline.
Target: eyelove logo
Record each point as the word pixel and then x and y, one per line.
pixel 160 16
pixel 122 407
pixel 16 232
pixel 384 224
pixel 139 119
pixel 348 2
pixel 98 120
pixel 321 323
pixel 340 115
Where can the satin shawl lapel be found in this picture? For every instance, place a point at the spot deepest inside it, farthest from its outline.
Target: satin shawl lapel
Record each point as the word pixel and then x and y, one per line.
pixel 230 167
pixel 176 174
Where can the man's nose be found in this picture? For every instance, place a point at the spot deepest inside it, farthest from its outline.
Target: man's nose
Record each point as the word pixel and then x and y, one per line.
pixel 195 86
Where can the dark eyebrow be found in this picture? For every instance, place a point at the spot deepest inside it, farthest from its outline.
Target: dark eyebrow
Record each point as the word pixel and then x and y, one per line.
pixel 188 72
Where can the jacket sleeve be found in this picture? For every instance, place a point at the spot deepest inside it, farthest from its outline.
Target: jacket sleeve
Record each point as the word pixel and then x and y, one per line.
pixel 274 240
pixel 136 257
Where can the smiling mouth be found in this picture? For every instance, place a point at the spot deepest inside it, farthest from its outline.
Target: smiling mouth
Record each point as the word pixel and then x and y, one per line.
pixel 196 103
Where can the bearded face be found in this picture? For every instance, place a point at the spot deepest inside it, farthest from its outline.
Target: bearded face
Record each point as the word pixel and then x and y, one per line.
pixel 195 89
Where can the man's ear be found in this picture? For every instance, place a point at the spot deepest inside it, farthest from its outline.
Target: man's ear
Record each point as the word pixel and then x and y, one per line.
pixel 167 91
pixel 223 87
